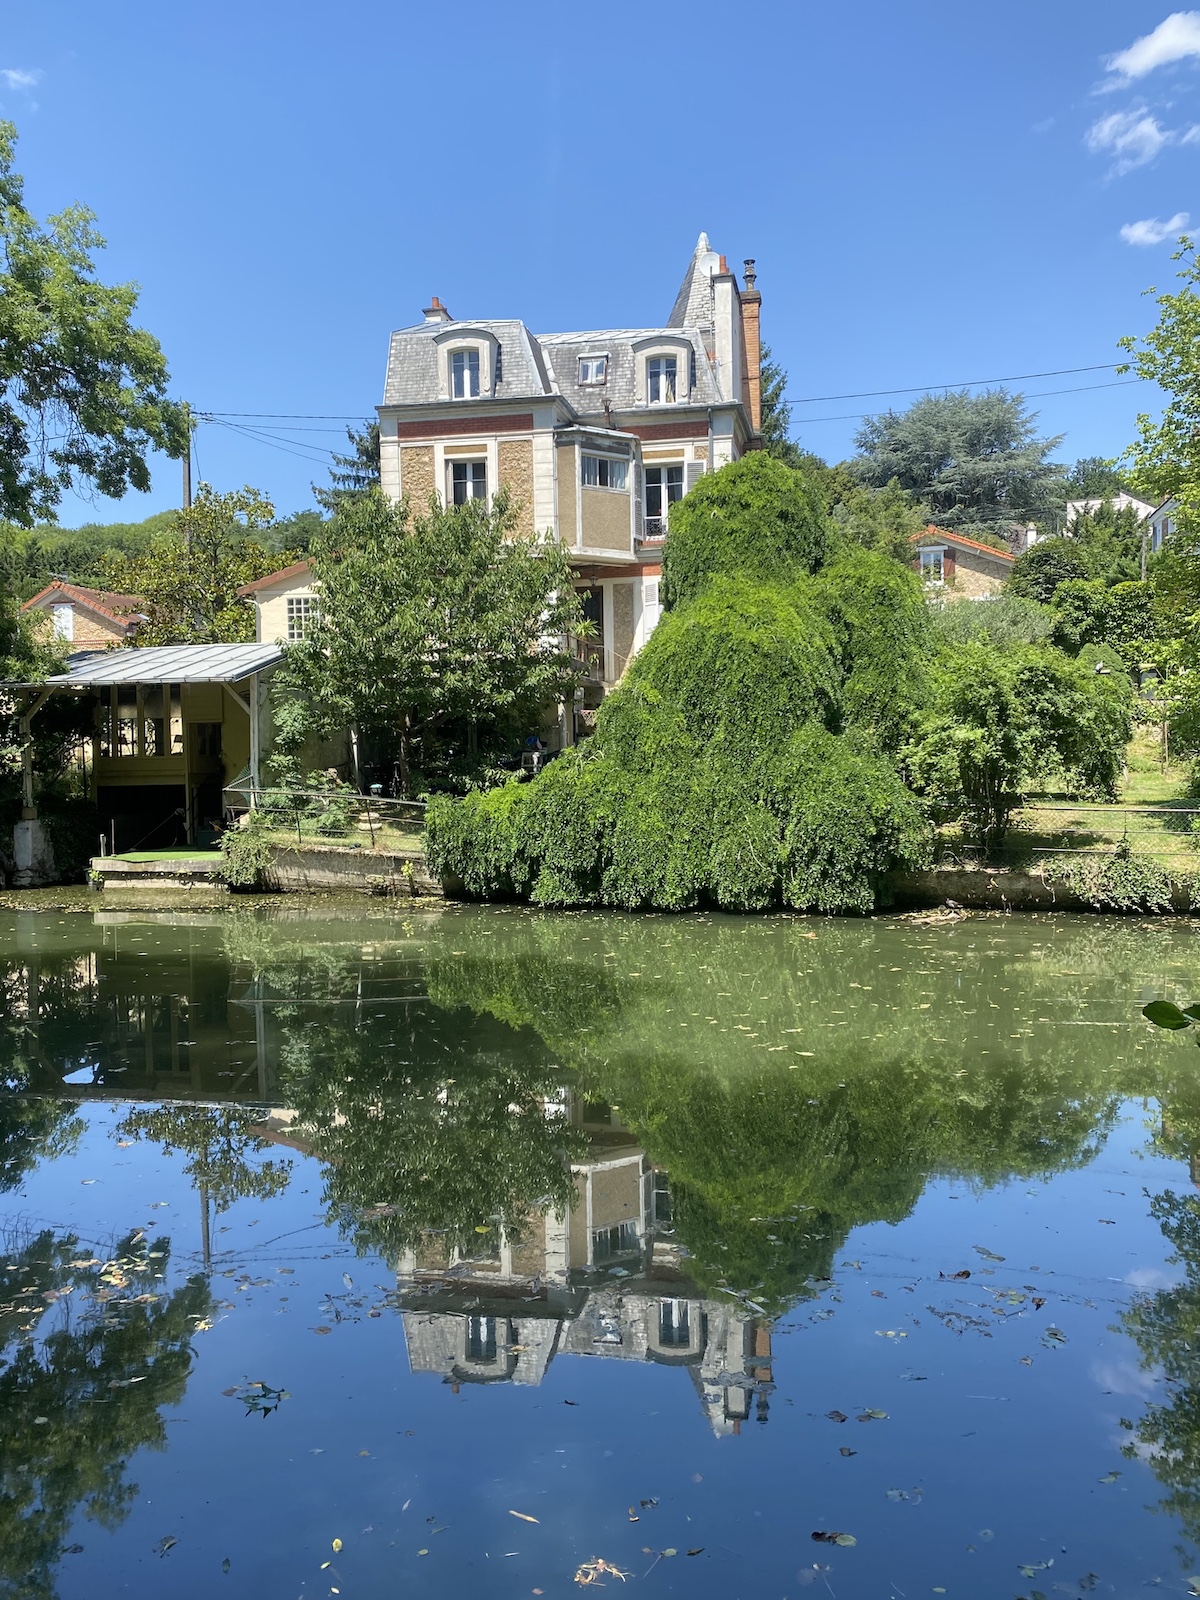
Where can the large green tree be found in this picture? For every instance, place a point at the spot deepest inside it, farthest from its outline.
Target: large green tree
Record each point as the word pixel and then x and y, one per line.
pixel 972 458
pixel 83 393
pixel 440 637
pixel 188 580
pixel 353 473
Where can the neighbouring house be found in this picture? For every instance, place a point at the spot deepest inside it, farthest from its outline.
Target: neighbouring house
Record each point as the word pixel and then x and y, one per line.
pixel 1163 521
pixel 951 561
pixel 596 434
pixel 86 619
pixel 1119 502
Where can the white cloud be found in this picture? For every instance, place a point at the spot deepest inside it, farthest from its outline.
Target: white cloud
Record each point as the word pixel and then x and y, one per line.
pixel 20 77
pixel 1131 137
pixel 1176 38
pixel 1151 231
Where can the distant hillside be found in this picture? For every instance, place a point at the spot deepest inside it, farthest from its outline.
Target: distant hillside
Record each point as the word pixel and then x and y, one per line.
pixel 31 557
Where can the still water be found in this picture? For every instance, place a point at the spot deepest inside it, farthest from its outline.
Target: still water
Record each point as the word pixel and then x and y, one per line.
pixel 480 1252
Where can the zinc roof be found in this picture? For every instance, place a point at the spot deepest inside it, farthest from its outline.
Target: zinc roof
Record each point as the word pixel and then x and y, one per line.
pixel 170 663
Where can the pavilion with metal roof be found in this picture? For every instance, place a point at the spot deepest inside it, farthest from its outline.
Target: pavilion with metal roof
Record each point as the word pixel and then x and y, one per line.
pixel 172 725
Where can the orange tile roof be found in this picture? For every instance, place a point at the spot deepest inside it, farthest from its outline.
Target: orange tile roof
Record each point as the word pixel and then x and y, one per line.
pixel 122 608
pixel 949 537
pixel 296 569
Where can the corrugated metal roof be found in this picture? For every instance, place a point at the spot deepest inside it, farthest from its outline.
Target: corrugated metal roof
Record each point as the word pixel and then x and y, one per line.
pixel 169 663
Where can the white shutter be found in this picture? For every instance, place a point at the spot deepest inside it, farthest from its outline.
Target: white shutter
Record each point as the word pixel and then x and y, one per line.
pixel 693 471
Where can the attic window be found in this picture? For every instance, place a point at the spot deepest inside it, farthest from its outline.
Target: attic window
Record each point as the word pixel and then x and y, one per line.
pixel 933 564
pixel 498 366
pixel 464 374
pixel 662 380
pixel 593 369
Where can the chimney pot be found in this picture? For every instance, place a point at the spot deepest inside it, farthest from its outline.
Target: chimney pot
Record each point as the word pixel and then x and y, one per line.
pixel 751 275
pixel 435 311
pixel 724 266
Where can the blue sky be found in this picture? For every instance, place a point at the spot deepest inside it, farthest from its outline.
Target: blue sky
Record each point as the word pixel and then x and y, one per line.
pixel 934 192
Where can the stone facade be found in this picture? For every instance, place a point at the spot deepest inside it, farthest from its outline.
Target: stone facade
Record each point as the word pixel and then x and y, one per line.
pixel 515 458
pixel 417 477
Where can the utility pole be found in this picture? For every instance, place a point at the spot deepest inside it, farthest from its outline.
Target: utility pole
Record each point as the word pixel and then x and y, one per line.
pixel 188 460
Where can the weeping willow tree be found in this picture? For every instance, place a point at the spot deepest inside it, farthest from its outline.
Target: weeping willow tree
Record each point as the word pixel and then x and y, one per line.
pixel 745 759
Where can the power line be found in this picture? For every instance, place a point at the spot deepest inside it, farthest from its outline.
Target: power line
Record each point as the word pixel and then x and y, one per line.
pixel 967 383
pixel 1040 394
pixel 304 453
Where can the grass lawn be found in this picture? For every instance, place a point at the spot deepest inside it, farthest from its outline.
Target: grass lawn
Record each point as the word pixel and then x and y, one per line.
pixel 1053 826
pixel 390 837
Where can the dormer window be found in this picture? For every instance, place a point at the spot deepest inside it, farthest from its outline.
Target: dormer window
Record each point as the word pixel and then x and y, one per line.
pixel 464 374
pixel 662 380
pixel 593 369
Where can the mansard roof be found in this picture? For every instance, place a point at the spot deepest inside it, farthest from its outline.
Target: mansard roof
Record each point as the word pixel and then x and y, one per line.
pixel 623 347
pixel 693 306
pixel 412 369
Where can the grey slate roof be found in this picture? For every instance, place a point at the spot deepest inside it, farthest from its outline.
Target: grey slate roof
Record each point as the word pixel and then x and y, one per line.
pixel 562 351
pixel 693 306
pixel 412 370
pixel 170 663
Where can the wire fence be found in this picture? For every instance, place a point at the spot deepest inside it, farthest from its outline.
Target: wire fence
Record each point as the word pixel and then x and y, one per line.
pixel 330 814
pixel 1167 832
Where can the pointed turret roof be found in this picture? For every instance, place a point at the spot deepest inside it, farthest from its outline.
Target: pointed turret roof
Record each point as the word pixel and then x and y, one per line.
pixel 693 303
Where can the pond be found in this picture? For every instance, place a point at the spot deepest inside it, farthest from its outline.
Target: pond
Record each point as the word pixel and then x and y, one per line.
pixel 480 1252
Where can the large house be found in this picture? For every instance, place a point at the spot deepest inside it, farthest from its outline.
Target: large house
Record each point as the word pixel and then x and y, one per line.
pixel 595 434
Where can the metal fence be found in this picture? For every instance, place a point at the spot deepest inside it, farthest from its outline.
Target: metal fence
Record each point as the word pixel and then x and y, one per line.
pixel 1167 832
pixel 327 813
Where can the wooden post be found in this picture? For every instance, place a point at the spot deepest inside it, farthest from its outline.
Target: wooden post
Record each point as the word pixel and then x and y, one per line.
pixel 255 740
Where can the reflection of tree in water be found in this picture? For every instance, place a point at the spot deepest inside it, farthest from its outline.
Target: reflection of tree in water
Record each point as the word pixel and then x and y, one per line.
pixel 772 1161
pixel 1165 1326
pixel 33 1130
pixel 78 1400
pixel 427 1122
pixel 224 1147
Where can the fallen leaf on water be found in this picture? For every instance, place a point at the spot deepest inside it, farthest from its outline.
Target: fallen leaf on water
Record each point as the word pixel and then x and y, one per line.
pixel 633 1516
pixel 225 1565
pixel 846 1451
pixel 163 1545
pixel 872 1415
pixel 844 1539
pixel 322 1329
pixel 699 1550
pixel 988 1255
pixel 523 1516
pixel 347 1280
pixel 422 1552
pixel 364 1452
pixel 836 1416
pixel 1054 1336
pixel 955 1277
pixel 1110 1477
pixel 590 1571
pixel 337 1545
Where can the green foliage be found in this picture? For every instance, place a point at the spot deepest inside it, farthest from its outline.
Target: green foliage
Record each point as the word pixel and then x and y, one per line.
pixel 223 1148
pixel 246 853
pixel 1094 477
pixel 1120 882
pixel 189 579
pixel 756 518
pixel 998 721
pixel 439 638
pixel 884 519
pixel 1087 611
pixel 355 474
pixel 1165 460
pixel 82 392
pixel 970 458
pixel 999 620
pixel 882 625
pixel 31 557
pixel 1037 573
pixel 1111 542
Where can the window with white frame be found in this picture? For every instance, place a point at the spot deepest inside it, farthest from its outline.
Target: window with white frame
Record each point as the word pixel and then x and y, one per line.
pixel 664 486
pixel 674 1324
pixel 464 374
pixel 662 373
pixel 64 622
pixel 593 369
pixel 468 481
pixel 301 614
pixel 933 565
pixel 603 472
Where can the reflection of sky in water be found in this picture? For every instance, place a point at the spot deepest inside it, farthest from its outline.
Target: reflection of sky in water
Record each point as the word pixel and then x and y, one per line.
pixel 785 1153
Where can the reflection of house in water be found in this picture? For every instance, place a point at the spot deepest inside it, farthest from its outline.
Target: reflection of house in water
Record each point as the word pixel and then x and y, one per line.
pixel 607 1280
pixel 148 1011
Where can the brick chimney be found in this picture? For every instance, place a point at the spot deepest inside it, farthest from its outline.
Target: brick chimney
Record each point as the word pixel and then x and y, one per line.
pixel 435 311
pixel 751 345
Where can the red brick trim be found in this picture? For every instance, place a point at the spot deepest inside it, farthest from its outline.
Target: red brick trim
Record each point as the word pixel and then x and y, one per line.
pixel 670 430
pixel 445 427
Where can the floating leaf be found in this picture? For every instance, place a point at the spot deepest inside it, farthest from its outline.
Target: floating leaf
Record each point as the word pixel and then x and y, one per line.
pixel 699 1550
pixel 871 1415
pixel 836 1416
pixel 523 1516
pixel 1163 1014
pixel 225 1565
pixel 1110 1477
pixel 671 1552
pixel 823 1537
pixel 988 1255
pixel 163 1545
pixel 845 1450
pixel 845 1539
pixel 337 1545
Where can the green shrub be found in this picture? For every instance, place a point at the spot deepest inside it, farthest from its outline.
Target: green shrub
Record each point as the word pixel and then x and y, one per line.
pixel 247 856
pixel 755 518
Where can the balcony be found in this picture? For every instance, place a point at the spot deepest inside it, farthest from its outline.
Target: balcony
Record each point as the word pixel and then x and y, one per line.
pixel 654 527
pixel 589 659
